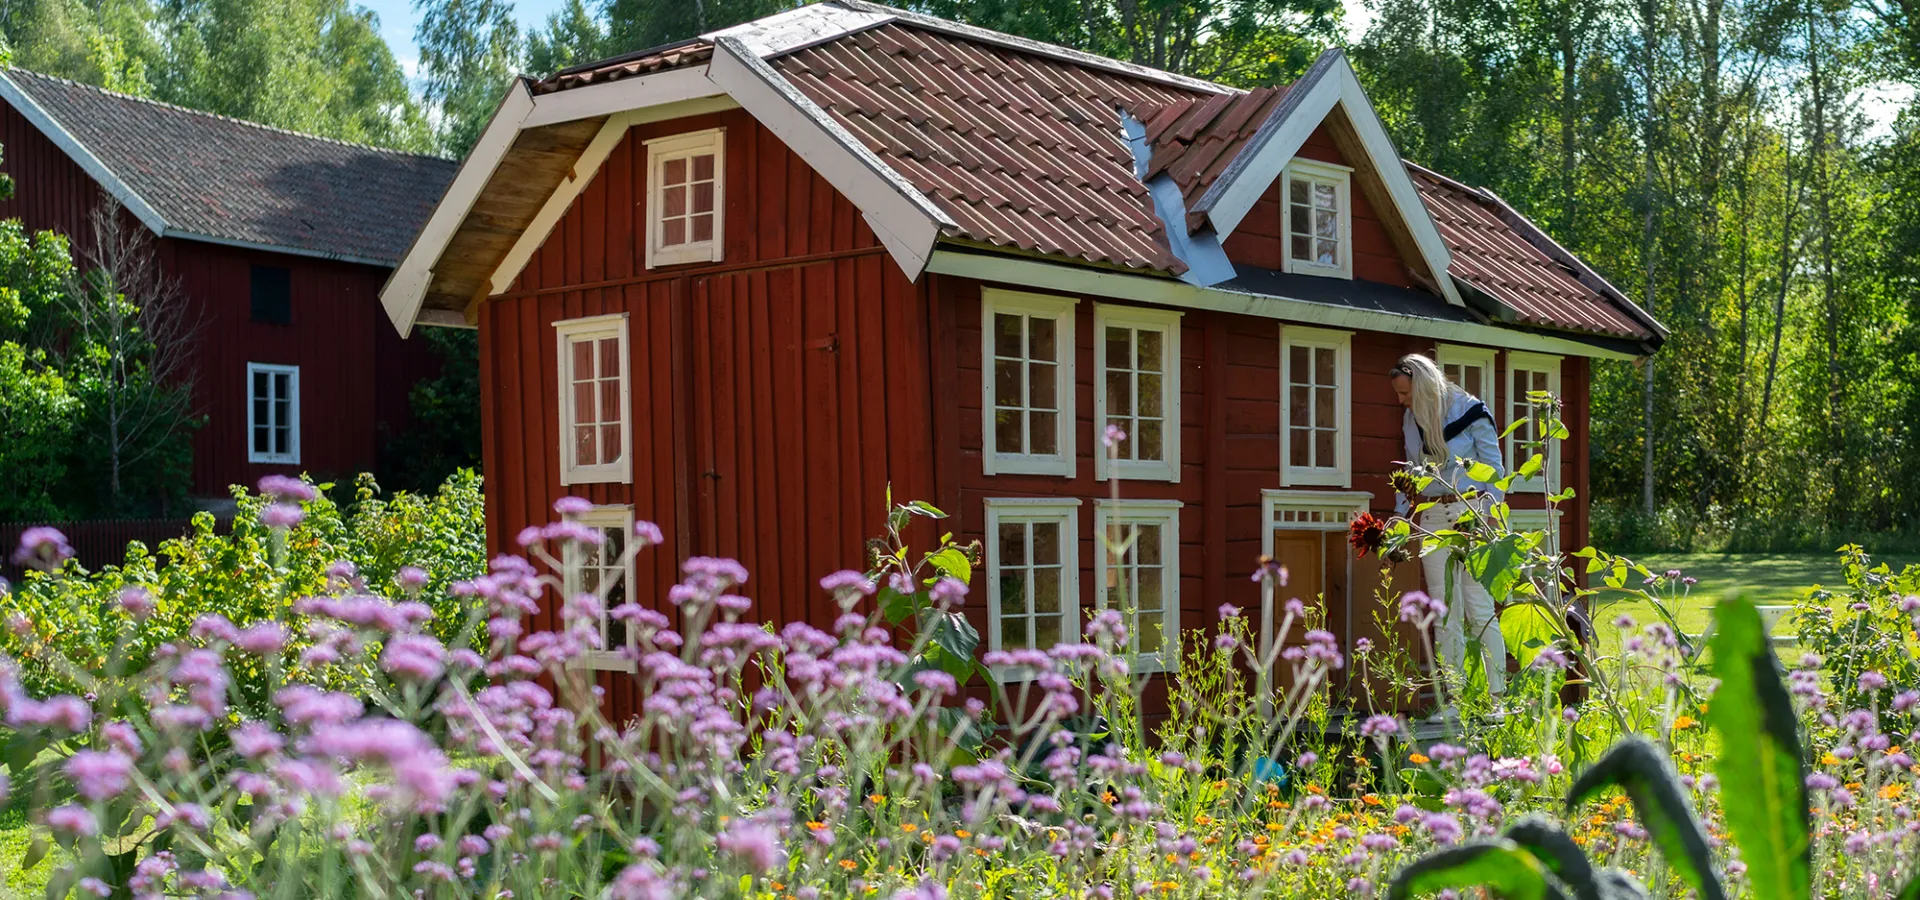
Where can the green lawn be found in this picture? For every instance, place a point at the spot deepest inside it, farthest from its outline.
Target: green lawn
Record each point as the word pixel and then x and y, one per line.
pixel 1764 578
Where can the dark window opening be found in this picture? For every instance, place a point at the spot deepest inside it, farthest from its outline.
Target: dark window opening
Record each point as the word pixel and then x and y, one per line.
pixel 272 295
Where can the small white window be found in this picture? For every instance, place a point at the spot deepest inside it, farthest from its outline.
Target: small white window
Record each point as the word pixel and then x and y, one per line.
pixel 1528 373
pixel 1138 573
pixel 606 571
pixel 1027 381
pixel 1033 573
pixel 1315 406
pixel 273 413
pixel 1137 353
pixel 1472 368
pixel 595 432
pixel 1319 218
pixel 685 202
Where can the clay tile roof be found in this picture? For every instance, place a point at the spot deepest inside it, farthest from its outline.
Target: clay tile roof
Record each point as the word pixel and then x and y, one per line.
pixel 1507 257
pixel 1020 150
pixel 1193 139
pixel 656 59
pixel 227 180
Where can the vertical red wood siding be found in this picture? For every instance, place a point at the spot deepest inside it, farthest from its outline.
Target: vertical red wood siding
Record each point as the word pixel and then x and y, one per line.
pixel 775 395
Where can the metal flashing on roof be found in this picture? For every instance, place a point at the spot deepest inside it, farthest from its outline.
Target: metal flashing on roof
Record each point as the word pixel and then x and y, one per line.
pixel 797 29
pixel 1206 260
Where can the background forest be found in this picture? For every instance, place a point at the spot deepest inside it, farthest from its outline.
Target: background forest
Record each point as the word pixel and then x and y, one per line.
pixel 1736 164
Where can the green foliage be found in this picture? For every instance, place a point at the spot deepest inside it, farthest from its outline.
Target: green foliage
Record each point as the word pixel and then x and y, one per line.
pixel 248 576
pixel 1762 774
pixel 443 434
pixel 38 415
pixel 1504 868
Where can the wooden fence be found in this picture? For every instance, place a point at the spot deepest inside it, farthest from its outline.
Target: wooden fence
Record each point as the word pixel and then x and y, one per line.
pixel 95 543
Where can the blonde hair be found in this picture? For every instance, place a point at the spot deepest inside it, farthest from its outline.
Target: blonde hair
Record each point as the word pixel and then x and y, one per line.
pixel 1431 393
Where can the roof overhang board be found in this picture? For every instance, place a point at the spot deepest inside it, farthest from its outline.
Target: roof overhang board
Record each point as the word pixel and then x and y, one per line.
pixel 653 89
pixel 904 220
pixel 78 152
pixel 1169 292
pixel 1329 83
pixel 406 288
pixel 584 171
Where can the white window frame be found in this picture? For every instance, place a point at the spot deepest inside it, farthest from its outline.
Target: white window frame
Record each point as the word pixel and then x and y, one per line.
pixel 1341 473
pixel 292 456
pixel 1324 511
pixel 1166 514
pixel 994 301
pixel 1167 322
pixel 1064 510
pixel 1517 408
pixel 662 150
pixel 1485 357
pixel 604 517
pixel 593 328
pixel 1342 179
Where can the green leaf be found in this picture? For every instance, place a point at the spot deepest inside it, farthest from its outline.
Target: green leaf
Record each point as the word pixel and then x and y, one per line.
pixel 1911 891
pixel 1645 773
pixel 1762 773
pixel 1531 467
pixel 1495 564
pixel 1528 628
pixel 36 852
pixel 896 607
pixel 953 563
pixel 956 638
pixel 1482 472
pixel 923 508
pixel 1539 836
pixel 1503 867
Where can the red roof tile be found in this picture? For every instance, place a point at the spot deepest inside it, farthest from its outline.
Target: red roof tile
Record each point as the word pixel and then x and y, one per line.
pixel 658 59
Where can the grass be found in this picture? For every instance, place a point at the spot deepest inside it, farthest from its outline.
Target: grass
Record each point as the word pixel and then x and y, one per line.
pixel 1764 578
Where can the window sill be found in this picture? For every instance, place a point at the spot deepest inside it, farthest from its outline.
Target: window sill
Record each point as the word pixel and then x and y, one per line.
pixel 1316 477
pixel 619 474
pixel 1029 465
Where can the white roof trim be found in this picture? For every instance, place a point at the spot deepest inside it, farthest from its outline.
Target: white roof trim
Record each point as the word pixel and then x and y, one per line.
pixel 800 28
pixel 406 288
pixel 652 89
pixel 55 132
pixel 903 218
pixel 1330 82
pixel 1088 281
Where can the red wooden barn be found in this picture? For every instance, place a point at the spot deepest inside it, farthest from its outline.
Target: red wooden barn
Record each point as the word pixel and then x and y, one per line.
pixel 741 284
pixel 281 242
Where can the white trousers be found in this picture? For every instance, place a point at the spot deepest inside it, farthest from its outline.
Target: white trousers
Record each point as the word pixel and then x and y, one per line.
pixel 1470 608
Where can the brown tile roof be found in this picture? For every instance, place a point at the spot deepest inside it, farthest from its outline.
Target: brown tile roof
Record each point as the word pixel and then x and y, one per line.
pixel 1020 150
pixel 1501 253
pixel 1194 138
pixel 657 59
pixel 229 180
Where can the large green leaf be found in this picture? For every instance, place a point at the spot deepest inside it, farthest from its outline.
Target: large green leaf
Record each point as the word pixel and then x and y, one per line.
pixel 956 639
pixel 1911 891
pixel 1528 628
pixel 1495 564
pixel 953 563
pixel 1762 773
pixel 1645 773
pixel 1541 837
pixel 896 607
pixel 1503 867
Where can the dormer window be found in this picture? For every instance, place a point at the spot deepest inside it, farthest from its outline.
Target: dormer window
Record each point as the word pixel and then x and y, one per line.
pixel 1319 216
pixel 684 198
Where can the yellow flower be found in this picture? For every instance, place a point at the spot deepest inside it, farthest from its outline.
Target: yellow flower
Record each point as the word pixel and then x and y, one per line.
pixel 1891 791
pixel 963 834
pixel 1419 759
pixel 1828 759
pixel 876 798
pixel 1683 723
pixel 1276 826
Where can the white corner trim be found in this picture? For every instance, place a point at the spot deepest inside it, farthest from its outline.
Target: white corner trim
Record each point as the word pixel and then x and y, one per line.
pixel 612 97
pixel 406 288
pixel 801 28
pixel 1089 281
pixel 78 152
pixel 903 218
pixel 1235 192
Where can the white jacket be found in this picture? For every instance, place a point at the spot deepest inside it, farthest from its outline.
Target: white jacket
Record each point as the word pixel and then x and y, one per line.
pixel 1478 441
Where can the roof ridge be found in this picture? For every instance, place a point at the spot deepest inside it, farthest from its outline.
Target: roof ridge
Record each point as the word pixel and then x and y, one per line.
pixel 121 95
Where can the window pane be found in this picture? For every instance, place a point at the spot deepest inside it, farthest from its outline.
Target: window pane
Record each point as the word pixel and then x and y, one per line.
pixel 1046 543
pixel 583 403
pixel 1323 415
pixel 1299 190
pixel 283 389
pixel 262 410
pixel 262 436
pixel 703 227
pixel 1041 432
pixel 282 440
pixel 1046 632
pixel 1007 389
pixel 1300 403
pixel 1006 336
pixel 703 167
pixel 674 171
pixel 1323 195
pixel 1326 253
pixel 703 197
pixel 610 401
pixel 1150 345
pixel 1150 442
pixel 673 202
pixel 1046 590
pixel 1040 341
pixel 1043 392
pixel 673 232
pixel 1302 220
pixel 1119 395
pixel 1298 439
pixel 1323 449
pixel 1302 247
pixel 260 385
pixel 1146 544
pixel 1119 348
pixel 1326 223
pixel 585 448
pixel 1013 544
pixel 1147 628
pixel 610 442
pixel 609 357
pixel 1299 364
pixel 1013 633
pixel 1325 362
pixel 1013 593
pixel 1006 432
pixel 1150 391
pixel 582 360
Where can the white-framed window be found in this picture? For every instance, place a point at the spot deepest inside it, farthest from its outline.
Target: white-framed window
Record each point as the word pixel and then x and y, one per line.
pixel 1026 379
pixel 1526 373
pixel 596 434
pixel 1319 218
pixel 1316 386
pixel 1137 571
pixel 685 197
pixel 1305 531
pixel 606 571
pixel 273 413
pixel 1472 368
pixel 1033 573
pixel 1137 355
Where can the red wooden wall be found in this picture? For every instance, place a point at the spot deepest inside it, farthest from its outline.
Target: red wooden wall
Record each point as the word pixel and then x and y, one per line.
pixel 355 370
pixel 776 395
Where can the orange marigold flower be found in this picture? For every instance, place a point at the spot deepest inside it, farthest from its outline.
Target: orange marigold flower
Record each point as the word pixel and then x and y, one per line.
pixel 963 834
pixel 1203 819
pixel 816 826
pixel 1419 759
pixel 877 798
pixel 848 865
pixel 909 827
pixel 1371 799
pixel 1828 759
pixel 1892 790
pixel 1682 723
